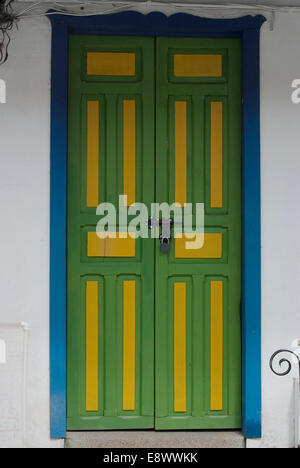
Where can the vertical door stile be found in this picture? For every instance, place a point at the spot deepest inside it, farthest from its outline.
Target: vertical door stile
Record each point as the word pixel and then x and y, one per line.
pixel 112 337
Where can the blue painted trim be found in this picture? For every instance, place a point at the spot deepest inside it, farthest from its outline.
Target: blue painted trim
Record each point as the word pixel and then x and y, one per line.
pixel 58 230
pixel 157 24
pixel 251 255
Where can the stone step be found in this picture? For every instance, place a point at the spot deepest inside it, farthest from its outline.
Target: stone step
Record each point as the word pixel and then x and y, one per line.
pixel 155 439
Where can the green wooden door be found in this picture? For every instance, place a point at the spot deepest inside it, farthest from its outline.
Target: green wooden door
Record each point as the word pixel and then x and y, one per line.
pixel 198 292
pixel 136 104
pixel 111 282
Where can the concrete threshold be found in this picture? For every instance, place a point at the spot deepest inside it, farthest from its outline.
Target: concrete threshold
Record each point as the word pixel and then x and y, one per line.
pixel 153 439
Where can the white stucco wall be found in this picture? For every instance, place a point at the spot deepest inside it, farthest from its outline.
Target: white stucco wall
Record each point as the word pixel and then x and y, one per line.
pixel 24 205
pixel 24 208
pixel 280 169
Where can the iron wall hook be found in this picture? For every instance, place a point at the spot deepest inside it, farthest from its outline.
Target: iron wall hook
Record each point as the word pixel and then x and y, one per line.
pixel 284 361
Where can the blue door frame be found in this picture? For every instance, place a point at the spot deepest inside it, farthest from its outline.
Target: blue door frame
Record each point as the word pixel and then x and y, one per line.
pixel 156 24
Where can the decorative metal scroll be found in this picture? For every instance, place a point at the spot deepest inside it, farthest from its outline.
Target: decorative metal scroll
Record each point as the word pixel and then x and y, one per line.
pixel 284 362
pixel 7 21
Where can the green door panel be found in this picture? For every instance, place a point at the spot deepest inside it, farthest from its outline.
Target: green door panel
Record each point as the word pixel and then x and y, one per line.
pixel 103 368
pixel 154 338
pixel 209 379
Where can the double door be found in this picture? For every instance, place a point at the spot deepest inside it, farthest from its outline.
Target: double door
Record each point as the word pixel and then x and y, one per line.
pixel 154 336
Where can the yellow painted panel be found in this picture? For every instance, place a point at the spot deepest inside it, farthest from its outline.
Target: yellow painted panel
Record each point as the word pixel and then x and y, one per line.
pixel 91 403
pixel 108 247
pixel 129 345
pixel 216 345
pixel 216 155
pixel 92 158
pixel 129 150
pixel 179 347
pixel 198 65
pixel 111 63
pixel 212 247
pixel 180 152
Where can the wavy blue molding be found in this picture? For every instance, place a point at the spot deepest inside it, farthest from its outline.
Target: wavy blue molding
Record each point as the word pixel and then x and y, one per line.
pixel 157 24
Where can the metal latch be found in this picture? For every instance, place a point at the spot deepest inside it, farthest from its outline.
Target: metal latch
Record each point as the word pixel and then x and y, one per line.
pixel 165 236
